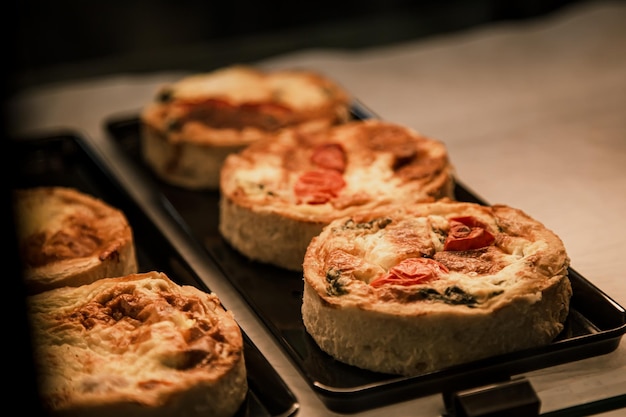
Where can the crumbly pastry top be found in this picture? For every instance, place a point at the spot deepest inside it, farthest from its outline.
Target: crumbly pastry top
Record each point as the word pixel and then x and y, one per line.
pixel 317 176
pixel 62 231
pixel 134 339
pixel 434 257
pixel 240 104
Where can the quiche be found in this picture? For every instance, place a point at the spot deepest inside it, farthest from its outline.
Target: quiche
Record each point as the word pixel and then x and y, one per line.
pixel 137 345
pixel 68 237
pixel 194 123
pixel 278 193
pixel 420 287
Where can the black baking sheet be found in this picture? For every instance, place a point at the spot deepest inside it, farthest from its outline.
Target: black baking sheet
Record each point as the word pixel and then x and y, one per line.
pixel 64 159
pixel 594 326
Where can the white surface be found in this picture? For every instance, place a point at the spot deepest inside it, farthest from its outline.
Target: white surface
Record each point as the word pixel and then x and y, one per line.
pixel 533 113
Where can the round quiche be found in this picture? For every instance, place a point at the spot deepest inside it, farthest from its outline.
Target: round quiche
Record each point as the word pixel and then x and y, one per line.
pixel 67 237
pixel 137 345
pixel 194 123
pixel 416 288
pixel 278 193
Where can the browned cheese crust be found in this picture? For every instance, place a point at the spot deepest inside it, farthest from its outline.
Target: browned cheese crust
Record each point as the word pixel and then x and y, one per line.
pixel 385 291
pixel 67 237
pixel 193 124
pixel 278 193
pixel 138 345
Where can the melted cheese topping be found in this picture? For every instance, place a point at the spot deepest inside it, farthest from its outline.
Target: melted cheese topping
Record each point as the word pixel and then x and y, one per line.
pixel 135 338
pixel 385 163
pixel 240 84
pixel 297 91
pixel 351 253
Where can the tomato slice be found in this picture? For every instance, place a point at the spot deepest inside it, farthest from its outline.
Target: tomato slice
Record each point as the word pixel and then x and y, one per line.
pixel 223 114
pixel 467 233
pixel 318 187
pixel 412 271
pixel 329 156
pixel 217 103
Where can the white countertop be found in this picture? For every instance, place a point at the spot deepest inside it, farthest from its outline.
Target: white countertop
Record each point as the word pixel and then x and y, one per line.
pixel 533 114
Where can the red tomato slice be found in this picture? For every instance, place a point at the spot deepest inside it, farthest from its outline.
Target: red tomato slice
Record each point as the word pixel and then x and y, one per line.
pixel 412 271
pixel 221 103
pixel 329 156
pixel 318 187
pixel 467 233
pixel 190 103
pixel 230 114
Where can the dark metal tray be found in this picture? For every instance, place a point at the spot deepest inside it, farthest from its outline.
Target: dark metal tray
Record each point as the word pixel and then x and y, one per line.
pixel 594 327
pixel 65 159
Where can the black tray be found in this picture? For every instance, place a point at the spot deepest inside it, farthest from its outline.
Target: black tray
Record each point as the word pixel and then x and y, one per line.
pixel 65 159
pixel 594 326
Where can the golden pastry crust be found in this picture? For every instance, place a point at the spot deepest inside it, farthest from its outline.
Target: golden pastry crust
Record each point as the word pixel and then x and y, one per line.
pixel 138 345
pixel 67 237
pixel 193 124
pixel 416 288
pixel 278 193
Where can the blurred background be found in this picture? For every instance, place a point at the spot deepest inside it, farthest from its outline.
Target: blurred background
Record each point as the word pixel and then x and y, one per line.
pixel 71 39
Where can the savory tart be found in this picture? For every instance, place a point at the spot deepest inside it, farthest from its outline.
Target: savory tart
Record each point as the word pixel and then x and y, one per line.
pixel 416 288
pixel 194 123
pixel 138 345
pixel 67 237
pixel 278 193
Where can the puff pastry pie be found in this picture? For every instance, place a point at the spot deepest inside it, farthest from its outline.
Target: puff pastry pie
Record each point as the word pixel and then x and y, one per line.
pixel 68 237
pixel 137 345
pixel 194 123
pixel 416 288
pixel 278 193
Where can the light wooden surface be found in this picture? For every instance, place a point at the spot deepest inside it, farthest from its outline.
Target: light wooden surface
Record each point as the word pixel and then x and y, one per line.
pixel 534 116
